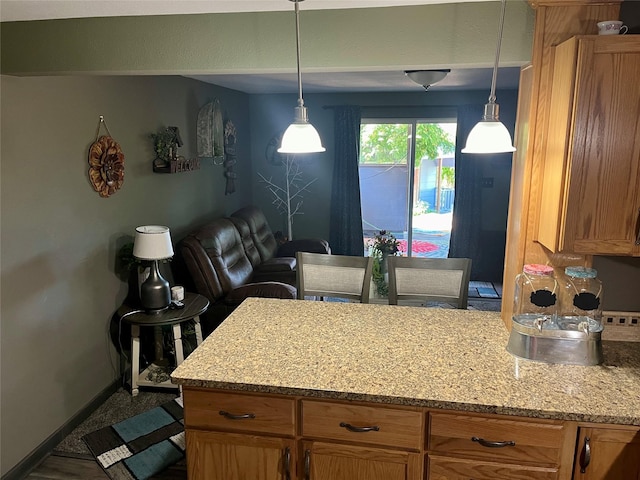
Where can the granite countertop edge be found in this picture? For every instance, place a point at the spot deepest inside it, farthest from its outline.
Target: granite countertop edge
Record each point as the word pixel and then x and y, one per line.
pixel 413 402
pixel 422 357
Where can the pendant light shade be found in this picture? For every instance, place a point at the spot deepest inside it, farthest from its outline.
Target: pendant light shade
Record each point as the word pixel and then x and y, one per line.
pixel 490 135
pixel 300 136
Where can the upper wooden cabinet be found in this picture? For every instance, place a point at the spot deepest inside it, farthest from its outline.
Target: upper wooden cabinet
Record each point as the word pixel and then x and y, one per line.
pixel 590 201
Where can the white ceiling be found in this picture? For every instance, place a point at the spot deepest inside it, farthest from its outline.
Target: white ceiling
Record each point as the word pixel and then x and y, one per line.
pixel 380 81
pixel 313 82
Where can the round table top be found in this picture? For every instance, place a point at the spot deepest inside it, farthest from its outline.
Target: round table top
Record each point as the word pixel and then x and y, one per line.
pixel 194 305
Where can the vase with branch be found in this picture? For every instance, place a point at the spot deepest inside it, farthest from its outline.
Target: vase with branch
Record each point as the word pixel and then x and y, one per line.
pixel 287 197
pixel 381 247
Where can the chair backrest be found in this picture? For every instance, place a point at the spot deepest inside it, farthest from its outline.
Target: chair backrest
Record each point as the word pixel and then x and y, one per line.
pixel 431 279
pixel 342 276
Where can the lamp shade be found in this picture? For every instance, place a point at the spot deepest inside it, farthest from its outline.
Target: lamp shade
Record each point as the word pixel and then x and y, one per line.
pixel 301 138
pixel 489 136
pixel 152 242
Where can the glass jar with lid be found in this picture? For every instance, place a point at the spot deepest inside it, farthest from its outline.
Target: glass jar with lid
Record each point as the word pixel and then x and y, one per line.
pixel 536 295
pixel 582 297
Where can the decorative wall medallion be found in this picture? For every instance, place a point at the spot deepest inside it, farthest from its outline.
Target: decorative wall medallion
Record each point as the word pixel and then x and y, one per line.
pixel 271 151
pixel 106 166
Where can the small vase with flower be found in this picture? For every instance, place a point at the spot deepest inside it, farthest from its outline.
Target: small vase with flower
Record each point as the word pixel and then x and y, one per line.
pixel 381 247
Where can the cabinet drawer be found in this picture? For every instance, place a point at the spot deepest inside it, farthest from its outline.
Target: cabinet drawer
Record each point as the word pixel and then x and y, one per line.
pixel 443 468
pixel 239 412
pixel 496 438
pixel 356 423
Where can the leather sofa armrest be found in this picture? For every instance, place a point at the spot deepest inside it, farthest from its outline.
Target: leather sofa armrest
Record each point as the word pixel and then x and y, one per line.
pixel 312 245
pixel 276 264
pixel 262 290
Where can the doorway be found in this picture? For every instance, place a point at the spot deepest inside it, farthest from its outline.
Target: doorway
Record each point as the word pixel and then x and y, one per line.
pixel 407 178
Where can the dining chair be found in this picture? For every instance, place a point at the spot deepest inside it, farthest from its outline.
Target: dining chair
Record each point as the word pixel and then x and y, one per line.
pixel 340 276
pixel 444 280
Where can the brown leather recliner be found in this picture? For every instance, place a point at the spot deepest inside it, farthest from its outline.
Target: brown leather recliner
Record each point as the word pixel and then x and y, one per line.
pixel 271 260
pixel 212 261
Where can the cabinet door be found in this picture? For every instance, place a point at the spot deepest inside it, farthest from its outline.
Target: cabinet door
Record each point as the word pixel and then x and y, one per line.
pixel 608 454
pixel 228 456
pixel 326 461
pixel 590 200
pixel 444 468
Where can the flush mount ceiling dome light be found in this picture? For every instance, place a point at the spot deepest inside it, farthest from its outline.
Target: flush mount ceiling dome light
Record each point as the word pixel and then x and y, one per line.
pixel 426 78
pixel 300 136
pixel 490 135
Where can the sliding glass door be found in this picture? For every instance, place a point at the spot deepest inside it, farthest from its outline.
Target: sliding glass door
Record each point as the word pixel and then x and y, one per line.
pixel 407 182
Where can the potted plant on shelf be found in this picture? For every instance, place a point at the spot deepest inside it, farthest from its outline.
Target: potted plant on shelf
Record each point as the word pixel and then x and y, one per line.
pixel 380 247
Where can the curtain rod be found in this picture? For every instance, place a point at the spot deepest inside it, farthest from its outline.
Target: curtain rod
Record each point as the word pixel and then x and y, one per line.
pixel 331 107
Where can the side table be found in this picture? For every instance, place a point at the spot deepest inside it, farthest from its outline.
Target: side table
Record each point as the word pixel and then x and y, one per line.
pixel 194 306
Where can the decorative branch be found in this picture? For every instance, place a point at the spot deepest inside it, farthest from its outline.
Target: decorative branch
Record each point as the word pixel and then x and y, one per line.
pixel 288 198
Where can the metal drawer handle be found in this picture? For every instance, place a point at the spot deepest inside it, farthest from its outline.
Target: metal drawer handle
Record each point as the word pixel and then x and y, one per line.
pixel 489 444
pixel 231 416
pixel 638 228
pixel 287 464
pixel 351 428
pixel 307 464
pixel 585 458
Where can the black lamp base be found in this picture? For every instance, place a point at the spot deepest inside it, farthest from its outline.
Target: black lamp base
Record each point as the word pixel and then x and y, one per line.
pixel 155 293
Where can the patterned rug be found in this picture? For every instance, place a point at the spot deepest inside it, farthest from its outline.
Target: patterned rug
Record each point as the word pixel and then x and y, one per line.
pixel 141 446
pixel 418 246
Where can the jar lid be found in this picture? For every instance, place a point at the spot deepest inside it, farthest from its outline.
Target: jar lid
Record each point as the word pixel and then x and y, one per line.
pixel 581 272
pixel 537 269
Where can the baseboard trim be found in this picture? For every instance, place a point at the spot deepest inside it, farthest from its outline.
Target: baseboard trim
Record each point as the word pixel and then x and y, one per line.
pixel 27 464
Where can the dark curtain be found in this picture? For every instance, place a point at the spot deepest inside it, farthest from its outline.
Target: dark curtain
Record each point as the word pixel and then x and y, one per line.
pixel 346 236
pixel 467 207
pixel 468 239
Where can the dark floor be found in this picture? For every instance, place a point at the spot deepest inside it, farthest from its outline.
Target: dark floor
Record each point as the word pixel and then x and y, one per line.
pixel 60 466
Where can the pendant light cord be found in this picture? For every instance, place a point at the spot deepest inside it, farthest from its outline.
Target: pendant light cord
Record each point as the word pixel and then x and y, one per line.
pixel 492 95
pixel 297 10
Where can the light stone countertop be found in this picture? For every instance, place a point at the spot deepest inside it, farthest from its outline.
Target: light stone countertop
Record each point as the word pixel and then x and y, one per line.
pixel 431 357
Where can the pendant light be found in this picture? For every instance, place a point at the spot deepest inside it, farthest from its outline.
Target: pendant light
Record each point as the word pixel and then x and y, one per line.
pixel 490 135
pixel 300 136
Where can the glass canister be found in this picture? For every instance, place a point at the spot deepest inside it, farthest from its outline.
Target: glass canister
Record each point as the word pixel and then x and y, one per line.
pixel 582 298
pixel 536 295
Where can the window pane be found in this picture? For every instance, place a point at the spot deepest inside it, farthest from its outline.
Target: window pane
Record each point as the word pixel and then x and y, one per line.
pixel 384 151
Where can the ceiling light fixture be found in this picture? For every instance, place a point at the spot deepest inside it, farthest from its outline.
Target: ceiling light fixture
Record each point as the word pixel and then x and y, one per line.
pixel 300 136
pixel 426 78
pixel 490 135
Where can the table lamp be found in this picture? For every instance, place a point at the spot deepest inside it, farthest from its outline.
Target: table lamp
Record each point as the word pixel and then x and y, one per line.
pixel 153 243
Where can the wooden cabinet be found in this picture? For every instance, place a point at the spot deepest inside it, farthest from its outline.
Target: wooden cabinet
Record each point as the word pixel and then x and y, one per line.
pixel 590 202
pixel 343 441
pixel 608 454
pixel 491 447
pixel 239 436
pixel 334 461
pixel 244 435
pixel 227 456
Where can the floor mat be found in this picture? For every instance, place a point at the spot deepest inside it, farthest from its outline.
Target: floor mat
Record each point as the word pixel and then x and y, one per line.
pixel 141 446
pixel 484 290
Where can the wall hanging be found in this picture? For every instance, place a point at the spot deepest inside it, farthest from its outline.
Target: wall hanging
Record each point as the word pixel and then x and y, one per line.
pixel 210 133
pixel 165 145
pixel 230 157
pixel 106 163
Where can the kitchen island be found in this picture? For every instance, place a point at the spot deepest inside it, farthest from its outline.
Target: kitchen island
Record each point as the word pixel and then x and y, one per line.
pixel 433 372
